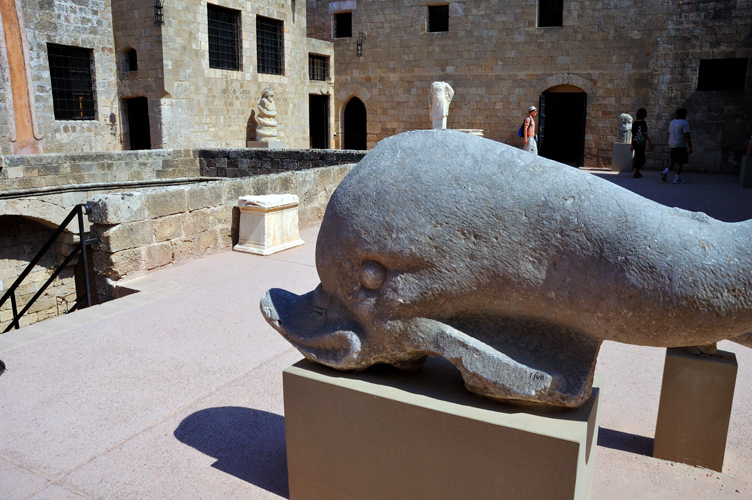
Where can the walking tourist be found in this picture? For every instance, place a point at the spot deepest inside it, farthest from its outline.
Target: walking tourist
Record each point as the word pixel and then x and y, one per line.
pixel 640 139
pixel 528 131
pixel 680 144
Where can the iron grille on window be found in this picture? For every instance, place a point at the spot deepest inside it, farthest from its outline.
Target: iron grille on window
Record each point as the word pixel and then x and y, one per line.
pixel 550 13
pixel 318 67
pixel 343 25
pixel 438 18
pixel 722 74
pixel 72 83
pixel 270 45
pixel 224 38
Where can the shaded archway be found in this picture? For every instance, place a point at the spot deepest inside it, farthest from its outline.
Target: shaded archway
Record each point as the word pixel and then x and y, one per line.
pixel 356 125
pixel 563 110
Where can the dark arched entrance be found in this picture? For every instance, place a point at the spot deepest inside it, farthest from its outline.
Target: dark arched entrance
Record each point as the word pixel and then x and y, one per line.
pixel 355 124
pixel 562 124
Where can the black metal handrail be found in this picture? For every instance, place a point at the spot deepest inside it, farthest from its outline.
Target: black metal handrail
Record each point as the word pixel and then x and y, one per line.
pixel 78 211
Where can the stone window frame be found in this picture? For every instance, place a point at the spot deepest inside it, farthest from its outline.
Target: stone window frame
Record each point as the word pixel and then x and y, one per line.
pixel 270 49
pixel 440 15
pixel 66 88
pixel 314 70
pixel 540 13
pixel 335 23
pixel 233 45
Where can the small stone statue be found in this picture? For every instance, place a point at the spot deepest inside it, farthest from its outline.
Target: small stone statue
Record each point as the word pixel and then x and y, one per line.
pixel 625 129
pixel 441 96
pixel 267 121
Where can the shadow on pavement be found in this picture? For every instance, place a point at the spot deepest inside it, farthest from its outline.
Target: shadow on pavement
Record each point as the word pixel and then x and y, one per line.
pixel 248 444
pixel 623 441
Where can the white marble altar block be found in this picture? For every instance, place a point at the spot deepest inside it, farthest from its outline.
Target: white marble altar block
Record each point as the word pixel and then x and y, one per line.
pixel 621 159
pixel 268 224
pixel 472 131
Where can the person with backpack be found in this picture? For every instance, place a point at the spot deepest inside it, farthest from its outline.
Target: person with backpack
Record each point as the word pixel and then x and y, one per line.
pixel 640 139
pixel 527 131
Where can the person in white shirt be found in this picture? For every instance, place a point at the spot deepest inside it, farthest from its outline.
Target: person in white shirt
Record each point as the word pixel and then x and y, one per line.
pixel 680 144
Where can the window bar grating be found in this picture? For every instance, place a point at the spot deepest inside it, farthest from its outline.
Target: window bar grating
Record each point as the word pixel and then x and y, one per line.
pixel 224 38
pixel 318 67
pixel 72 85
pixel 270 45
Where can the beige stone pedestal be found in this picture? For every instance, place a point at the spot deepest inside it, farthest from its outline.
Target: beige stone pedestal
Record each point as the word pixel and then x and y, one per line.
pixel 478 132
pixel 268 224
pixel 621 158
pixel 385 434
pixel 695 407
pixel 265 144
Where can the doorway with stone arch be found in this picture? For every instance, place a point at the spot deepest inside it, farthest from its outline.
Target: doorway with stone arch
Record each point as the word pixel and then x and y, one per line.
pixel 356 125
pixel 562 118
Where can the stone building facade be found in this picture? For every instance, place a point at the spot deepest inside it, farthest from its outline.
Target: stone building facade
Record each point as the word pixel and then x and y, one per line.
pixel 619 55
pixel 150 71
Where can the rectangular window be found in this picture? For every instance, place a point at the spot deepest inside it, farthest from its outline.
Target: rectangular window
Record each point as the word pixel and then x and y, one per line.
pixel 224 38
pixel 343 25
pixel 72 82
pixel 438 18
pixel 550 13
pixel 270 45
pixel 722 74
pixel 318 67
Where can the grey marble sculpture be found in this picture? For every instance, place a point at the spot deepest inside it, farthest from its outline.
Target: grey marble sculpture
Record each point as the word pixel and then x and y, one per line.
pixel 513 267
pixel 625 128
pixel 267 116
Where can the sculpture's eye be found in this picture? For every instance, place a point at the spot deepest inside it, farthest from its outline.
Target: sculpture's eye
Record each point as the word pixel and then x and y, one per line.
pixel 373 275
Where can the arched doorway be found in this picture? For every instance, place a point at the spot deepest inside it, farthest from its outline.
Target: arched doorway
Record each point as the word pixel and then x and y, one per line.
pixel 561 135
pixel 355 125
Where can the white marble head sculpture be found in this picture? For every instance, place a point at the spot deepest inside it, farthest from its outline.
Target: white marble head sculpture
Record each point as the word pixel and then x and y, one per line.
pixel 625 128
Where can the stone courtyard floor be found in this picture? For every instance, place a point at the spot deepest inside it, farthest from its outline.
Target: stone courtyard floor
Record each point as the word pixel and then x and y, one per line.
pixel 175 392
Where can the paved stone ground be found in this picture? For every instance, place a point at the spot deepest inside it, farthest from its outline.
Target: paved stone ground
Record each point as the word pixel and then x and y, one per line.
pixel 176 392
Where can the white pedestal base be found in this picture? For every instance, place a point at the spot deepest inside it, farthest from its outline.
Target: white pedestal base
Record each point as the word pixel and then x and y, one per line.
pixel 621 159
pixel 268 224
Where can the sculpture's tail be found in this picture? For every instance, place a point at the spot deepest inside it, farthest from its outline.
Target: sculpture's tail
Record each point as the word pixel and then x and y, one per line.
pixel 745 340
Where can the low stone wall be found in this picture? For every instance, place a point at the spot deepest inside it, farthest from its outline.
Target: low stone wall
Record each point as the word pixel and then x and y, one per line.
pixel 23 172
pixel 243 162
pixel 148 229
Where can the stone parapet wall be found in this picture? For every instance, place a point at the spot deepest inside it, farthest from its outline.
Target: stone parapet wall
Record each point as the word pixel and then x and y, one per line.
pixel 243 162
pixel 21 172
pixel 153 228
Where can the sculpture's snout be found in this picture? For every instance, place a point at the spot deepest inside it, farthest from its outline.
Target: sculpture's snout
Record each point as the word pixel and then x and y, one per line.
pixel 316 324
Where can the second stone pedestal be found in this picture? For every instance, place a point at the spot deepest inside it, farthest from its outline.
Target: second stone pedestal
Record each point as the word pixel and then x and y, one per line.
pixel 384 435
pixel 695 407
pixel 268 224
pixel 621 158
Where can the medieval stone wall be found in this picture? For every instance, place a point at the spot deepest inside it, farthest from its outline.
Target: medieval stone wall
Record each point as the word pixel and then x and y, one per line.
pixel 80 24
pixel 152 228
pixel 206 107
pixel 624 54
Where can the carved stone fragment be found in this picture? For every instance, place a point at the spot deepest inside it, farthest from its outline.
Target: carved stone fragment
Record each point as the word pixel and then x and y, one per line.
pixel 513 267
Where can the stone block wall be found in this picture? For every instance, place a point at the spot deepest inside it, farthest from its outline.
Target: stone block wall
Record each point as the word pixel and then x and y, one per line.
pixel 80 24
pixel 247 162
pixel 624 54
pixel 28 172
pixel 207 107
pixel 20 240
pixel 153 228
